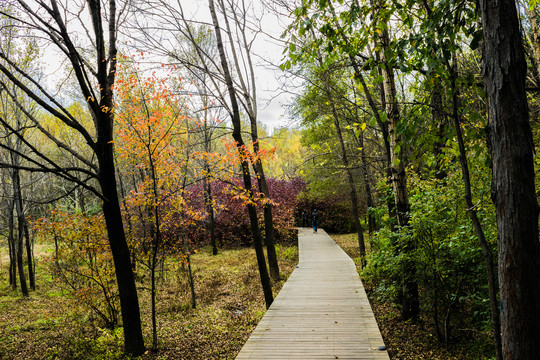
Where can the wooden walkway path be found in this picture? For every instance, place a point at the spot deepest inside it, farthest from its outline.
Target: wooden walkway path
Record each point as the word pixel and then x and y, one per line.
pixel 322 311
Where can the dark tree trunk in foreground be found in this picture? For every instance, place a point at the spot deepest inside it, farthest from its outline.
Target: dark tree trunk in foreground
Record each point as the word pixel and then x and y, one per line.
pixel 129 303
pixel 252 210
pixel 269 236
pixel 104 148
pixel 513 190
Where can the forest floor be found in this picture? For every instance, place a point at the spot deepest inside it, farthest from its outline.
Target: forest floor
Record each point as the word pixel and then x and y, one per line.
pixel 406 340
pixel 51 325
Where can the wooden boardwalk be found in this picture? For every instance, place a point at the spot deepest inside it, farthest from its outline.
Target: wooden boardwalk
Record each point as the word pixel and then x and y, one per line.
pixel 322 311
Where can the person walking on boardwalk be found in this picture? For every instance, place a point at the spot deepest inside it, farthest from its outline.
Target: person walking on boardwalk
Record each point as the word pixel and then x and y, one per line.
pixel 315 220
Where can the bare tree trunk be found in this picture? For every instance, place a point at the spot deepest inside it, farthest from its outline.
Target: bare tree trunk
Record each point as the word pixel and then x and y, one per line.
pixel 235 116
pixel 250 101
pixel 191 280
pixel 439 119
pixel 513 188
pixel 30 255
pixel 410 307
pixel 23 227
pixel 208 198
pixel 383 125
pixel 20 232
pixel 367 187
pixel 267 214
pixel 209 204
pixel 129 303
pixel 344 157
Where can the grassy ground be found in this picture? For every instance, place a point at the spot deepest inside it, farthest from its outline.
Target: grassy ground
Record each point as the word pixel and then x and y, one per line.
pixel 413 341
pixel 49 325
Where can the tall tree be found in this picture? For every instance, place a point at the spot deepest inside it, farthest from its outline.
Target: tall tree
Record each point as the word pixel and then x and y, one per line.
pixel 242 54
pixel 513 190
pixel 242 153
pixel 96 84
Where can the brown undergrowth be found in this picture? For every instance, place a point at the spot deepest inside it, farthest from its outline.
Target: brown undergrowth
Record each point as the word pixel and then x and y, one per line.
pixel 48 325
pixel 406 340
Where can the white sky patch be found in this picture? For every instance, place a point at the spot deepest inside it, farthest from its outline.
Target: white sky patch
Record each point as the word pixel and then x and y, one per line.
pixel 267 55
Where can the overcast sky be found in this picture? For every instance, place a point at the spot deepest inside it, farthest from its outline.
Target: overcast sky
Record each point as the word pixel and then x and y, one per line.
pixel 268 53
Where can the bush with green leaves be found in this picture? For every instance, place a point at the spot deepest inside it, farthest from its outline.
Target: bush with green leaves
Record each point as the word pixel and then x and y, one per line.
pixel 450 268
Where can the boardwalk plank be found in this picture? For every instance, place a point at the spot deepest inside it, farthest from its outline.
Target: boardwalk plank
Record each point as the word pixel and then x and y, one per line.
pixel 322 311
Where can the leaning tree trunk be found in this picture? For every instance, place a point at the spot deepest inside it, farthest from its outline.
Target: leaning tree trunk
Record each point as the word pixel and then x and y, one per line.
pixel 242 152
pixel 511 147
pixel 269 234
pixel 345 159
pixel 250 98
pixel 383 125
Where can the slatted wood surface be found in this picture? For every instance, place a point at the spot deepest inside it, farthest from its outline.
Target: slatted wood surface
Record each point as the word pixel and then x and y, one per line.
pixel 322 311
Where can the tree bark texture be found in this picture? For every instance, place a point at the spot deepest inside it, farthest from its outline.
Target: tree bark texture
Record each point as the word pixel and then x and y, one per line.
pixel 129 303
pixel 513 190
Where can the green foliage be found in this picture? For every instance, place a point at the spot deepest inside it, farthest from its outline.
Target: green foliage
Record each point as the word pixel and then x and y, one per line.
pixel 451 270
pixel 82 262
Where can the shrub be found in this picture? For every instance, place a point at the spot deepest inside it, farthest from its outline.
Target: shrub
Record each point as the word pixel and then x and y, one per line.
pixel 83 262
